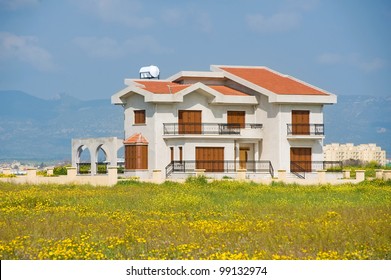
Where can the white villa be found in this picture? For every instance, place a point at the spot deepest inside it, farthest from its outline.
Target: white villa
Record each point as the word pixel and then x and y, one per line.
pixel 228 119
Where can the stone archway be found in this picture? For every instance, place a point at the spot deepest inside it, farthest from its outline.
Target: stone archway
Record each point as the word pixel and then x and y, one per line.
pixel 109 146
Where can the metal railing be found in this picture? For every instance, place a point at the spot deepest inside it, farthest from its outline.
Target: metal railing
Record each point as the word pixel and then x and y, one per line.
pixel 305 129
pixel 299 168
pixel 219 166
pixel 207 128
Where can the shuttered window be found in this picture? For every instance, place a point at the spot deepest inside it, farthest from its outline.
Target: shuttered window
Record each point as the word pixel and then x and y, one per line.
pixel 301 159
pixel 136 157
pixel 139 117
pixel 210 158
pixel 236 118
pixel 300 122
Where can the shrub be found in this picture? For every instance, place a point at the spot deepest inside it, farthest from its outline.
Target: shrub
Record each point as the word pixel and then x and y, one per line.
pixel 197 180
pixel 60 170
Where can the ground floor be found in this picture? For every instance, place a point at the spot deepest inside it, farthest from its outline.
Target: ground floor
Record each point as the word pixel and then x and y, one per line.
pixel 217 157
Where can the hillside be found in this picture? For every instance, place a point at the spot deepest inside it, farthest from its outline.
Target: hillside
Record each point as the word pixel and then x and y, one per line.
pixel 359 120
pixel 37 129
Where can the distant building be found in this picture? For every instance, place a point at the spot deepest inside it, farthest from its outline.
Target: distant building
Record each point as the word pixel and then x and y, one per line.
pixel 363 153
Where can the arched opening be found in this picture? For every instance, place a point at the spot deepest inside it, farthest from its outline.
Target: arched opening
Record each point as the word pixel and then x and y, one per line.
pixel 121 159
pixel 83 160
pixel 101 160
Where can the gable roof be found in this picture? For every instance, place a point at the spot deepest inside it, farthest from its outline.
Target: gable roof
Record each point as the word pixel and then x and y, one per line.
pixel 135 139
pixel 168 87
pixel 273 81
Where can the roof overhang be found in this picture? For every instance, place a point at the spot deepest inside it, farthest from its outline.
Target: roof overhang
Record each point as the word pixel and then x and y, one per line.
pixel 215 97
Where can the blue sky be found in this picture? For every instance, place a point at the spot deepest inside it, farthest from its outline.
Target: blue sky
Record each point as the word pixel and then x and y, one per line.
pixel 85 48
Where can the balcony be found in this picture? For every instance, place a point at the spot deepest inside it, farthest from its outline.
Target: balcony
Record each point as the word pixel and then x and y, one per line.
pixel 307 131
pixel 212 129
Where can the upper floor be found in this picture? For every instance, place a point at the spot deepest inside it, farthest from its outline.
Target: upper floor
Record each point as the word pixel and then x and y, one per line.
pixel 237 102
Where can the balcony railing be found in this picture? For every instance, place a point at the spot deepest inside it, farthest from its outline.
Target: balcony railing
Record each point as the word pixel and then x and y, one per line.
pixel 207 128
pixel 305 129
pixel 299 168
pixel 219 166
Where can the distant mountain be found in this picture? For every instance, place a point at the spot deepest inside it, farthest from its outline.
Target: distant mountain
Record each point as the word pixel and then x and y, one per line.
pixel 359 120
pixel 36 129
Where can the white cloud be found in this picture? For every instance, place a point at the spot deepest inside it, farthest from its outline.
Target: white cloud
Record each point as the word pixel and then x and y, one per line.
pixel 352 59
pixel 279 22
pixel 125 12
pixel 106 47
pixel 381 130
pixel 17 4
pixel 25 49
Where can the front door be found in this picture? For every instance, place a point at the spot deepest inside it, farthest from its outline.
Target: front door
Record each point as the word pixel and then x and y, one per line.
pixel 189 122
pixel 210 158
pixel 243 157
pixel 301 159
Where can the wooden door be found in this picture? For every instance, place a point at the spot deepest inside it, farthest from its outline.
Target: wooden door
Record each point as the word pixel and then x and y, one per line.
pixel 300 122
pixel 236 118
pixel 243 157
pixel 210 158
pixel 301 159
pixel 189 122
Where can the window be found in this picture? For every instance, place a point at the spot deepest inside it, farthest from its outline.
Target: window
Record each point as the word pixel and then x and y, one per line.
pixel 236 118
pixel 136 157
pixel 180 154
pixel 172 153
pixel 139 117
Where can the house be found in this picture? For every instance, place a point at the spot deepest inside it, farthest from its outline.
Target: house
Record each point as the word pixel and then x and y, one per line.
pixel 227 119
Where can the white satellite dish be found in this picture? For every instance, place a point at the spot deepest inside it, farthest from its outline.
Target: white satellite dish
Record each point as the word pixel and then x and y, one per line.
pixel 149 72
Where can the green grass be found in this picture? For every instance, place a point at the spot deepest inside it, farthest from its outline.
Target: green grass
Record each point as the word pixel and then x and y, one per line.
pixel 196 220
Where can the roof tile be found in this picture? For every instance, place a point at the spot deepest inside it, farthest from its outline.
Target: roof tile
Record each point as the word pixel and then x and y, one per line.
pixel 273 81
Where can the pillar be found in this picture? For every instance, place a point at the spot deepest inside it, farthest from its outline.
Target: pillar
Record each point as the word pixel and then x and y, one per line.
pixel 241 174
pixel 282 175
pixel 360 175
pixel 71 172
pixel 157 176
pixel 112 173
pixel 322 176
pixel 346 173
pixel 379 173
pixel 387 175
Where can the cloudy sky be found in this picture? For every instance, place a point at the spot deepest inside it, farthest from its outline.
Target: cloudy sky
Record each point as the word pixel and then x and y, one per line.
pixel 85 48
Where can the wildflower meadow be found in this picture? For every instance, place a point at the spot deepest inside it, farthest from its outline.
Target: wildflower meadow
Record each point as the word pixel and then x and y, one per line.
pixel 196 220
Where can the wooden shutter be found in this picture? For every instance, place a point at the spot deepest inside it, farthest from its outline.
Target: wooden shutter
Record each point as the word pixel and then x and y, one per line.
pixel 136 157
pixel 300 122
pixel 189 122
pixel 301 159
pixel 210 158
pixel 139 117
pixel 236 118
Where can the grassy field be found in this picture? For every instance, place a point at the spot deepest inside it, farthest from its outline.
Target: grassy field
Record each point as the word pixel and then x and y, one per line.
pixel 196 220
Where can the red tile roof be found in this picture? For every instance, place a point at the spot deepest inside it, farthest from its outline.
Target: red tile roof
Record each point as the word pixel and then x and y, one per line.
pixel 161 87
pixel 137 138
pixel 273 81
pixel 166 87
